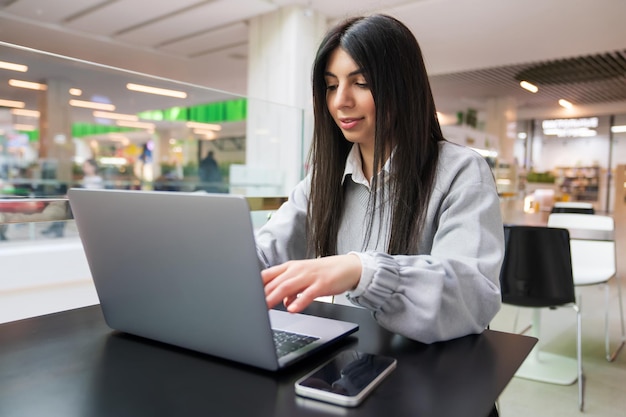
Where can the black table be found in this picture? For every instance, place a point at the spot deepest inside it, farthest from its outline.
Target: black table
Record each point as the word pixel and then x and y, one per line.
pixel 71 364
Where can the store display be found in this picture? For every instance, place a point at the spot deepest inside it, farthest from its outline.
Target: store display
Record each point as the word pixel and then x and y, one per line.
pixel 579 183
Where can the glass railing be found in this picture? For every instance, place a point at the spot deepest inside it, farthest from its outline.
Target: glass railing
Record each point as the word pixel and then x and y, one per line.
pixel 57 114
pixel 142 132
pixel 24 219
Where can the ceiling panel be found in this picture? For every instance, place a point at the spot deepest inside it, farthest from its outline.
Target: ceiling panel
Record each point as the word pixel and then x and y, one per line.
pixel 121 15
pixel 50 11
pixel 581 80
pixel 221 38
pixel 473 50
pixel 338 9
pixel 195 20
pixel 95 81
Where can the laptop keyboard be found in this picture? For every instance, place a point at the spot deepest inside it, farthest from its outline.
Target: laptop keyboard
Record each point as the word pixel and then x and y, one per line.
pixel 287 342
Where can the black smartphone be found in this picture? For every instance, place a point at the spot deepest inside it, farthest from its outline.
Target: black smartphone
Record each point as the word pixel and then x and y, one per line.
pixel 346 379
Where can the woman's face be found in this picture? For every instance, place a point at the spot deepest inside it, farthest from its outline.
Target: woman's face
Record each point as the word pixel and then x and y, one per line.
pixel 349 99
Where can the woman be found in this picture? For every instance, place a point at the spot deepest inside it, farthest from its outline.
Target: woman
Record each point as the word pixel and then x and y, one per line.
pixel 405 222
pixel 91 179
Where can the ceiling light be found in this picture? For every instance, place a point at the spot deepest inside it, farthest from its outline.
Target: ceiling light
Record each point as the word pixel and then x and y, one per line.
pixel 618 129
pixel 528 86
pixel 28 84
pixel 13 67
pixel 12 103
pixel 565 103
pixel 26 113
pixel 92 105
pixel 155 90
pixel 140 125
pixel 76 91
pixel 203 126
pixel 209 134
pixel 24 128
pixel 115 116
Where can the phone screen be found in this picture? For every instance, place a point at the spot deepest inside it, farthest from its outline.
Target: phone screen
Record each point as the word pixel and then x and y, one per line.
pixel 347 378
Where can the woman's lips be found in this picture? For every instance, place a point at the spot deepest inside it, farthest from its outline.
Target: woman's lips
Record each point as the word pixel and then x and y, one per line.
pixel 348 123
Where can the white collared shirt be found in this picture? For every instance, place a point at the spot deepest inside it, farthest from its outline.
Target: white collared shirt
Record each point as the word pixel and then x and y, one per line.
pixel 354 167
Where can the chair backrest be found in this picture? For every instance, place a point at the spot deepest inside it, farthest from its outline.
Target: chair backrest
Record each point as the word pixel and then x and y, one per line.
pixel 573 207
pixel 593 261
pixel 581 221
pixel 573 204
pixel 537 267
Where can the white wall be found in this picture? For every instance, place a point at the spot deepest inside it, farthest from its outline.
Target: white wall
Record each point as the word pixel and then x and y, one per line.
pixel 563 152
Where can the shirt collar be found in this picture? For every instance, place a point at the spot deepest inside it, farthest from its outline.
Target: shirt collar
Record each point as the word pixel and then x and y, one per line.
pixel 354 167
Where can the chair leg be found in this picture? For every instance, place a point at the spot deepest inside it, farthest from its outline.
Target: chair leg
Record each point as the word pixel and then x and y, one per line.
pixel 516 321
pixel 611 356
pixel 579 357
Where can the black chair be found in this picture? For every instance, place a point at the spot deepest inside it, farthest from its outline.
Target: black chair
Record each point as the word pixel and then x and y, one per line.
pixel 537 273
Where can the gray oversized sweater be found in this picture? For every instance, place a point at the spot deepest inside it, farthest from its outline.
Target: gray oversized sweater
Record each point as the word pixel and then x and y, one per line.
pixel 451 287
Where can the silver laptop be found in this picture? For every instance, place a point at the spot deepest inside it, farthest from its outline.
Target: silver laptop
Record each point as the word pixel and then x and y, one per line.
pixel 182 268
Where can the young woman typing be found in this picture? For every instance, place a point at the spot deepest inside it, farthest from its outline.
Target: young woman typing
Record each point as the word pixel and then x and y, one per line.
pixel 403 222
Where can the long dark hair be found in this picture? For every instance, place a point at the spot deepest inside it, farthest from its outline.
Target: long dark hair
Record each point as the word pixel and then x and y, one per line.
pixel 406 122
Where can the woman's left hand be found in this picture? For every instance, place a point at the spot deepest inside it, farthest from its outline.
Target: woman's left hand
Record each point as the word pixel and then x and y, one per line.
pixel 298 283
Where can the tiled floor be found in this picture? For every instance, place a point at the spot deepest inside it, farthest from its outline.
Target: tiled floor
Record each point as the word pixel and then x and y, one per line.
pixel 605 383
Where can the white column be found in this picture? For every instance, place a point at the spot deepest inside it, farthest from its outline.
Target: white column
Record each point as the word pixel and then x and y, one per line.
pixel 55 128
pixel 282 47
pixel 500 121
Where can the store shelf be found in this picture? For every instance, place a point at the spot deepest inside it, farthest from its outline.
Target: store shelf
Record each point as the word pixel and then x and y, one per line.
pixel 579 183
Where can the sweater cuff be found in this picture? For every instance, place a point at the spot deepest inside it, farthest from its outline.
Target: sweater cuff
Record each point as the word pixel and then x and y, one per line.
pixel 367 274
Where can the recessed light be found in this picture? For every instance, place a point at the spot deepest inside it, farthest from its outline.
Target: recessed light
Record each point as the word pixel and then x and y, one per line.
pixel 28 84
pixel 12 103
pixel 115 116
pixel 26 113
pixel 92 105
pixel 24 128
pixel 140 125
pixel 155 90
pixel 13 67
pixel 528 86
pixel 565 103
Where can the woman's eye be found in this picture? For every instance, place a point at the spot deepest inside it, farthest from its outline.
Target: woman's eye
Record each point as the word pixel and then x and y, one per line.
pixel 331 87
pixel 362 85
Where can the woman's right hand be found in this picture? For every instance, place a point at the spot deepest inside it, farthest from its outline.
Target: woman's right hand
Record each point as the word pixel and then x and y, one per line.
pixel 298 283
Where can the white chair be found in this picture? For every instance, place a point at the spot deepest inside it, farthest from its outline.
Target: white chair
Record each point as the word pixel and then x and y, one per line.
pixel 594 263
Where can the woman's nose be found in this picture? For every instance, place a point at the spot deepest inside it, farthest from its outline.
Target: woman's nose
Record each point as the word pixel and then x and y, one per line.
pixel 344 97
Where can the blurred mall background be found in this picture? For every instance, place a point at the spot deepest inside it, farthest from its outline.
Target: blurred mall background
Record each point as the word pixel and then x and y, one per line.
pixel 253 54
